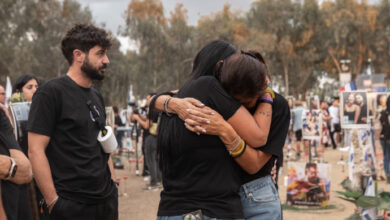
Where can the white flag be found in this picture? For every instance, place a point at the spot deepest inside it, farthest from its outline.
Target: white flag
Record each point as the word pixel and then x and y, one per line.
pixel 8 91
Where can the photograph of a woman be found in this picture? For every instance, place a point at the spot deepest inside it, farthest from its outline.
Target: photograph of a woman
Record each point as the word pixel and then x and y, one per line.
pixel 312 124
pixel 381 101
pixel 354 110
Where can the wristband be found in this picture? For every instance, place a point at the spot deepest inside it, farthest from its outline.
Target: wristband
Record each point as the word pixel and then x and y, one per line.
pixel 240 152
pixel 12 169
pixel 166 106
pixel 266 100
pixel 153 101
pixel 52 202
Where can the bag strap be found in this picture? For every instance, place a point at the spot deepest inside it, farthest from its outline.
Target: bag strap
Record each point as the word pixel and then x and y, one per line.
pixel 100 121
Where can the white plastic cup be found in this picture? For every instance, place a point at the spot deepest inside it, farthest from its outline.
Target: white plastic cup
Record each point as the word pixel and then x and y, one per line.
pixel 108 141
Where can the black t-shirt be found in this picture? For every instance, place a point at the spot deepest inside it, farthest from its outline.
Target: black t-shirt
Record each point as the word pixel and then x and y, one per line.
pixel 198 172
pixel 10 191
pixel 118 121
pixel 276 138
pixel 77 161
pixel 7 137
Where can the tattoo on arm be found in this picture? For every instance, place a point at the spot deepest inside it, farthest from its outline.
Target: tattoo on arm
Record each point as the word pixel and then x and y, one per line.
pixel 265 113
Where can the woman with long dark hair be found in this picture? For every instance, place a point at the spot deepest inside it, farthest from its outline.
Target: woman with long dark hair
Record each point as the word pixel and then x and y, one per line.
pixel 199 172
pixel 26 85
pixel 259 196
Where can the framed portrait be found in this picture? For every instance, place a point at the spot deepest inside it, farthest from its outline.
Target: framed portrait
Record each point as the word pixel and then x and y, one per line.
pixel 380 101
pixel 313 102
pixel 308 183
pixel 311 124
pixel 354 110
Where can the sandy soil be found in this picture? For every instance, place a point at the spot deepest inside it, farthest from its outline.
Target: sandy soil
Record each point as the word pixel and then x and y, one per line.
pixel 140 204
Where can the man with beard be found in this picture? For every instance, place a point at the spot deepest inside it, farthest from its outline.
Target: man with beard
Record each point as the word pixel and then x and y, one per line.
pixel 314 185
pixel 71 169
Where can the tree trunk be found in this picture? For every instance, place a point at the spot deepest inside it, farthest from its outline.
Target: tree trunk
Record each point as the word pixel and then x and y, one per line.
pixel 335 61
pixel 285 69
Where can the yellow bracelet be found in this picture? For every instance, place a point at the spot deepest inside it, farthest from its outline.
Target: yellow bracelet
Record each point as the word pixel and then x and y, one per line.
pixel 270 91
pixel 239 150
pixel 240 153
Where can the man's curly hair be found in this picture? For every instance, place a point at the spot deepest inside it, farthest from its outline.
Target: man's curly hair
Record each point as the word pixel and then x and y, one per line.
pixel 83 37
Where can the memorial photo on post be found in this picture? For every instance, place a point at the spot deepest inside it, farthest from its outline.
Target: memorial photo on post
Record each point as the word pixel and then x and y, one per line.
pixel 311 124
pixel 381 98
pixel 308 184
pixel 354 111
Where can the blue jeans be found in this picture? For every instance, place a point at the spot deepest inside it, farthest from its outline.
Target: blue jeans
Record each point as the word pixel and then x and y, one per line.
pixel 178 217
pixel 260 200
pixel 386 156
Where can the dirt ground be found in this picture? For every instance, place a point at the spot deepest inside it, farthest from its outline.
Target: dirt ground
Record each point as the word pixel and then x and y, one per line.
pixel 135 203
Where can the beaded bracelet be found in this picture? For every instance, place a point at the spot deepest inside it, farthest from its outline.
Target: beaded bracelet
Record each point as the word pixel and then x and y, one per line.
pixel 235 146
pixel 234 141
pixel 52 202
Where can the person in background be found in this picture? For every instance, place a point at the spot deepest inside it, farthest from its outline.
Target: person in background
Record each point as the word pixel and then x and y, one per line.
pixel 23 90
pixel 118 123
pixel 26 85
pixel 385 138
pixel 2 95
pixel 297 125
pixel 335 127
pixel 143 120
pixel 325 137
pixel 15 169
pixel 149 124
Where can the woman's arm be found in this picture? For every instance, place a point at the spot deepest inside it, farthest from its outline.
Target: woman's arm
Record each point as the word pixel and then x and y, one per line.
pixel 251 160
pixel 253 129
pixel 179 106
pixel 141 121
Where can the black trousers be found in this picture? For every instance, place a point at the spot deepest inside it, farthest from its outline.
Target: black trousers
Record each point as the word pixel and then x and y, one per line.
pixel 15 201
pixel 65 209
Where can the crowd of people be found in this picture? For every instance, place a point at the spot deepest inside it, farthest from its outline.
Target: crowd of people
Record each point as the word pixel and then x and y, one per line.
pixel 328 131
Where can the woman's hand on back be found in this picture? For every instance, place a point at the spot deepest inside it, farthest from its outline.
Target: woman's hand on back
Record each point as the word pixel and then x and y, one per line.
pixel 181 107
pixel 207 121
